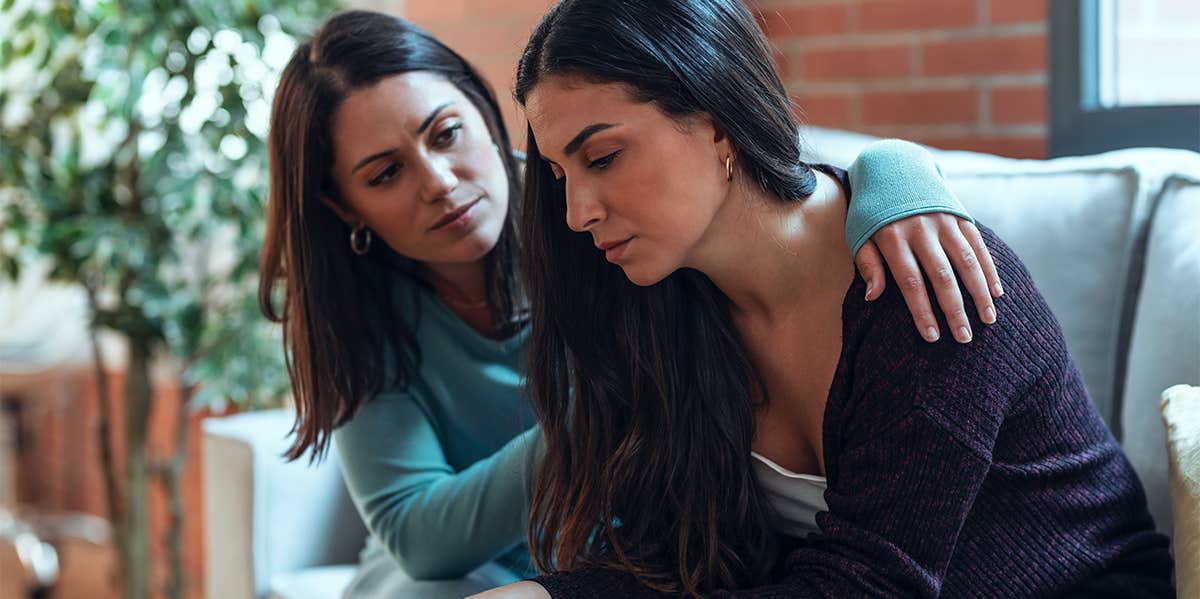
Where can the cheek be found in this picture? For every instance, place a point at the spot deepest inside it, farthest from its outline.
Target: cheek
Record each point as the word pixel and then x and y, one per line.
pixel 679 204
pixel 396 216
pixel 481 164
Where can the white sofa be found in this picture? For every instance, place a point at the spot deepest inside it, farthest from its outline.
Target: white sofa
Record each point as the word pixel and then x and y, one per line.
pixel 1112 240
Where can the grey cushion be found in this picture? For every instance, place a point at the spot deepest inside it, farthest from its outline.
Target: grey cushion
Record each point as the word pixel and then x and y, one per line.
pixel 326 582
pixel 1165 349
pixel 265 516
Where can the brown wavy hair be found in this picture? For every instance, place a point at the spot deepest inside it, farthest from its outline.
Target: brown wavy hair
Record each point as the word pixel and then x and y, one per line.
pixel 648 466
pixel 343 335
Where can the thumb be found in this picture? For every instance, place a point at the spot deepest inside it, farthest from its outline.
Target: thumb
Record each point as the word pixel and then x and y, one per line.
pixel 870 264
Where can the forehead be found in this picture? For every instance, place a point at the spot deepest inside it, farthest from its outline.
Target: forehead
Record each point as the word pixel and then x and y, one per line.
pixel 560 107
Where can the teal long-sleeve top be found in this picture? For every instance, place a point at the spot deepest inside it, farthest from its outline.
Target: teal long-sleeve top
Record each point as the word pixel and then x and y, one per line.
pixel 441 470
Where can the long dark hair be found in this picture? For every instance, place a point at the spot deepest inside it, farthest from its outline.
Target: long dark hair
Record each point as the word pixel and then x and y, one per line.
pixel 647 467
pixel 341 331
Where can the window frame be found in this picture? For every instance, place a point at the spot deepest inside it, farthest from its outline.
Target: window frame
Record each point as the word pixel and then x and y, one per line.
pixel 1078 124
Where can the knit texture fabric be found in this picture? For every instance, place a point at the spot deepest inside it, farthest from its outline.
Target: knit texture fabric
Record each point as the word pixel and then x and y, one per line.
pixel 885 170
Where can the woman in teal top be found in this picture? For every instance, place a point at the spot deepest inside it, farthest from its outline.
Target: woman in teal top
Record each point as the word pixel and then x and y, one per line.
pixel 390 262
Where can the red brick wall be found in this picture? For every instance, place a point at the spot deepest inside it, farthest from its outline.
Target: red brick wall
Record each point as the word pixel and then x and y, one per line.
pixel 961 74
pixel 958 74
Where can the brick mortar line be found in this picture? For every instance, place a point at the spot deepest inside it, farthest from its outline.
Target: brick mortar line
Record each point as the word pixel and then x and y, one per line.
pixel 856 108
pixel 798 84
pixel 892 38
pixel 1022 131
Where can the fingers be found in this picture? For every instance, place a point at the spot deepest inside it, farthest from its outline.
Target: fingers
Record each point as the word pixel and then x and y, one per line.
pixel 907 273
pixel 971 233
pixel 965 262
pixel 870 264
pixel 934 262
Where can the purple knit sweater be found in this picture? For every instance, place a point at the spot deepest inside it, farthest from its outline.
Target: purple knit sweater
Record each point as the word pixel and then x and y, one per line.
pixel 977 470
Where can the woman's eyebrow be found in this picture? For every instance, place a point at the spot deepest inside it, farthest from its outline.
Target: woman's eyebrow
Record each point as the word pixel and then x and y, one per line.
pixel 582 136
pixel 432 115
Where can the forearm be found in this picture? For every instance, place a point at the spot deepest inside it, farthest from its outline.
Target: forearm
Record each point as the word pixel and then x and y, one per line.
pixel 447 525
pixel 437 522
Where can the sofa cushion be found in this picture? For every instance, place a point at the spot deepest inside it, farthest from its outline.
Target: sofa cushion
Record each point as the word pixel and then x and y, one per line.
pixel 1165 348
pixel 325 582
pixel 254 500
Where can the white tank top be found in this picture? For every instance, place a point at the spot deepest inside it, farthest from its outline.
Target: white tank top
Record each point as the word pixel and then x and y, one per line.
pixel 796 497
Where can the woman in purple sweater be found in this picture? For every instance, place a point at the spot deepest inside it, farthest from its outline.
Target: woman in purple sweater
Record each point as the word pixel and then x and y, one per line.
pixel 743 423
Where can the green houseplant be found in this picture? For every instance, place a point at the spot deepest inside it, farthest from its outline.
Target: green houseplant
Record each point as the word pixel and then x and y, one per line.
pixel 133 161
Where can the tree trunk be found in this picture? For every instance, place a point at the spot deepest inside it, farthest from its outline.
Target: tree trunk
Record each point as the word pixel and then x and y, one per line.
pixel 108 466
pixel 135 546
pixel 172 474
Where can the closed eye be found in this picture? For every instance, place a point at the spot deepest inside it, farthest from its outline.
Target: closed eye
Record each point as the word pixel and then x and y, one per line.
pixel 603 162
pixel 386 175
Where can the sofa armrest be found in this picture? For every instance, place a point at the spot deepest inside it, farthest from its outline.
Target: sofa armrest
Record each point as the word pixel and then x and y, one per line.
pixel 265 516
pixel 1181 416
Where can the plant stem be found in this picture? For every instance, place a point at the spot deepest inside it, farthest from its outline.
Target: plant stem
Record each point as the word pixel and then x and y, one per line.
pixel 138 399
pixel 112 490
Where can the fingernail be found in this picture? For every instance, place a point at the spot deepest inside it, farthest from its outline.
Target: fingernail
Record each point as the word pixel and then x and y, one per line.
pixel 870 288
pixel 931 334
pixel 999 289
pixel 964 335
pixel 989 315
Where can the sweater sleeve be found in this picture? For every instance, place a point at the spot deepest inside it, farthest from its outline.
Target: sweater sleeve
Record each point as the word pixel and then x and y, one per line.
pixel 894 179
pixel 436 522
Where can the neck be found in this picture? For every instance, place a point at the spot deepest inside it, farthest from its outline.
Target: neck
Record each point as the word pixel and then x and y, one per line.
pixel 769 255
pixel 459 284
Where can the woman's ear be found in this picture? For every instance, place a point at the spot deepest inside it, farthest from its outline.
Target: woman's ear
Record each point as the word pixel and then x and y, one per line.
pixel 344 213
pixel 720 137
pixel 721 140
pixel 719 134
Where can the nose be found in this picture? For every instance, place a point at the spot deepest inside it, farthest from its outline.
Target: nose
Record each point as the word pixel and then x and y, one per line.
pixel 438 178
pixel 583 210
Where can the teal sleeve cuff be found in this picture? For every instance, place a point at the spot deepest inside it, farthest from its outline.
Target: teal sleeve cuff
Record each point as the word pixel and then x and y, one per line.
pixel 891 180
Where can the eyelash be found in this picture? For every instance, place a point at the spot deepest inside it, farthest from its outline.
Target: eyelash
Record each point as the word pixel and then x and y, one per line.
pixel 604 162
pixel 599 163
pixel 452 132
pixel 445 138
pixel 384 176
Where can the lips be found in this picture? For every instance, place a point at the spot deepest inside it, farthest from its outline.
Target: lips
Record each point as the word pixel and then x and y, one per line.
pixel 614 250
pixel 604 247
pixel 454 215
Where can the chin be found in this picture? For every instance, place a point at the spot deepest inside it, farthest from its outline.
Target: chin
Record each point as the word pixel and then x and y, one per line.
pixel 642 276
pixel 476 247
pixel 481 241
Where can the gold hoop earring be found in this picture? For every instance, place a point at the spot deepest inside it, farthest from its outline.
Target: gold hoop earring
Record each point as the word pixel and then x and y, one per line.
pixel 360 244
pixel 729 168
